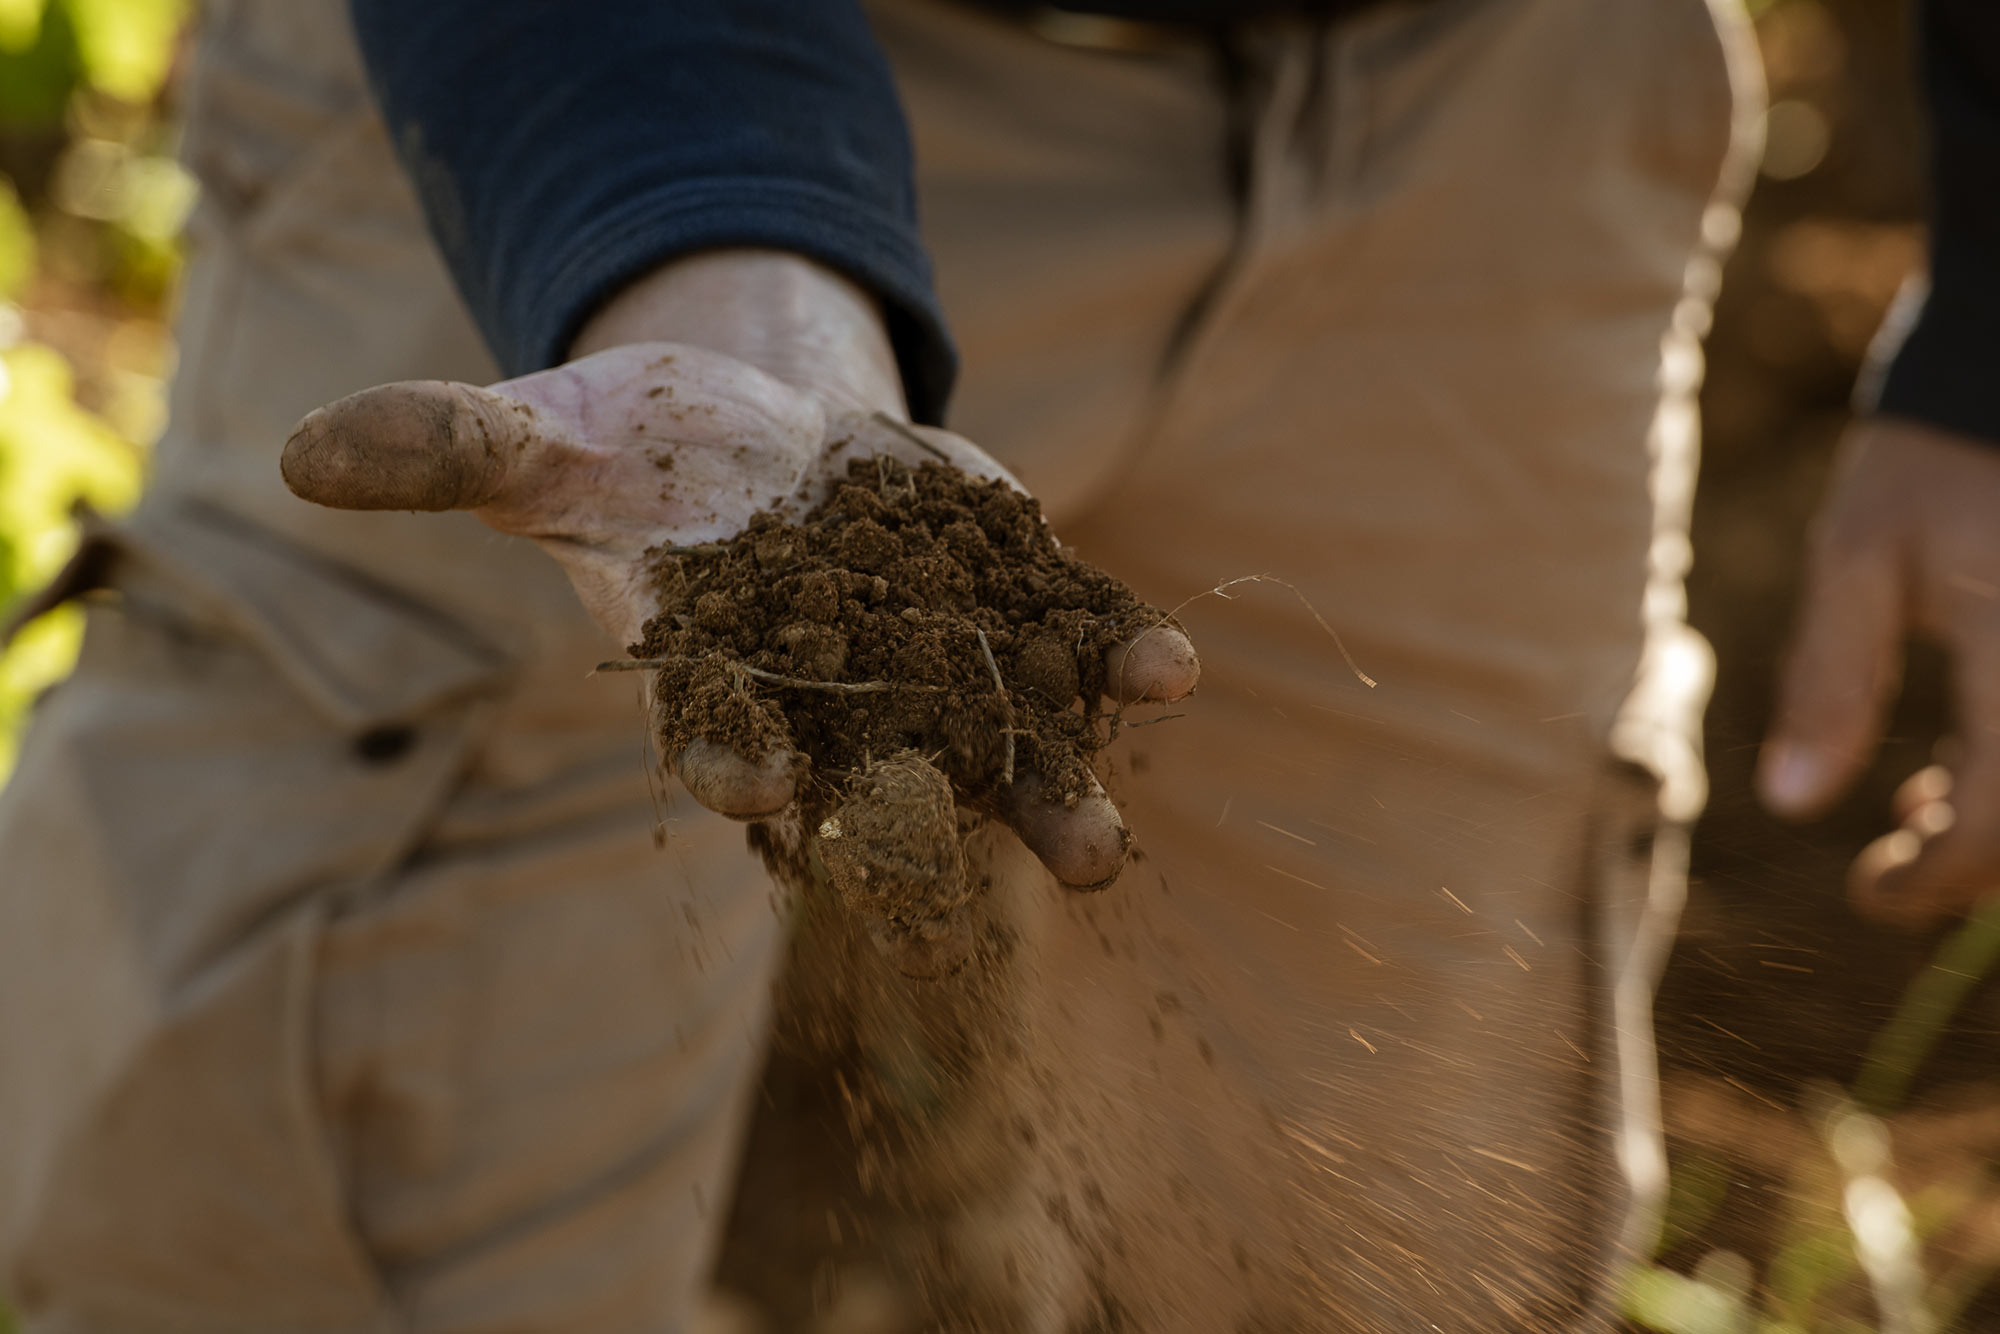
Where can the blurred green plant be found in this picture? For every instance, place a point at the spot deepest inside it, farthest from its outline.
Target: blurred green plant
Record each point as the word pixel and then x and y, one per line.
pixel 91 204
pixel 1846 1222
pixel 50 48
pixel 54 456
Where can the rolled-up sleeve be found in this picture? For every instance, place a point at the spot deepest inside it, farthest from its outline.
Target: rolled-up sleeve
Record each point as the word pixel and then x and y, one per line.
pixel 562 151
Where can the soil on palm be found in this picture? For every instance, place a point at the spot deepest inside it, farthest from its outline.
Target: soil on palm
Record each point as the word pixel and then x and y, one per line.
pixel 918 615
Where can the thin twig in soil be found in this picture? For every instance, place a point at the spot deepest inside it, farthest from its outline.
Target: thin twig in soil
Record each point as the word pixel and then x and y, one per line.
pixel 1007 768
pixel 1165 717
pixel 774 678
pixel 884 419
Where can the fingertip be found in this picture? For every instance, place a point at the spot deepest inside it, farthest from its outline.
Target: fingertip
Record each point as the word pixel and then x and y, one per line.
pixel 1834 688
pixel 1083 844
pixel 1928 786
pixel 1870 881
pixel 730 785
pixel 414 445
pixel 1794 781
pixel 1160 666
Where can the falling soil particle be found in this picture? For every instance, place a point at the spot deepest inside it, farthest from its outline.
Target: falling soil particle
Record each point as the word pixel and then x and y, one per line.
pixel 918 617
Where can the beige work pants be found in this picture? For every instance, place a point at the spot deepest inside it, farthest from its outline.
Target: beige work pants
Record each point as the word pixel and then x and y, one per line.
pixel 1361 1042
pixel 342 986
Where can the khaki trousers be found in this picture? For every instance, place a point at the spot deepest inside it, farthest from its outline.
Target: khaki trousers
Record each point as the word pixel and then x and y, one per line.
pixel 342 983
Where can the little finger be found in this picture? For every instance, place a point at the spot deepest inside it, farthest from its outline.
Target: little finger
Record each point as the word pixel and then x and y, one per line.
pixel 1082 843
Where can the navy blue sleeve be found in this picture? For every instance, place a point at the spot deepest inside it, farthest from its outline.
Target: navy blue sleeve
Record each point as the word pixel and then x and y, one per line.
pixel 563 150
pixel 1947 371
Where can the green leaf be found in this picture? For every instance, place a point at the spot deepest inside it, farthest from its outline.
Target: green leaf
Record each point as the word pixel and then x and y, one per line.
pixel 17 243
pixel 127 45
pixel 53 454
pixel 1900 1048
pixel 41 655
pixel 36 78
pixel 1695 1193
pixel 1802 1272
pixel 20 25
pixel 1668 1303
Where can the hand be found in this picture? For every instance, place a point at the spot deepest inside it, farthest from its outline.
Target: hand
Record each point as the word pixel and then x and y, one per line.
pixel 707 392
pixel 1908 542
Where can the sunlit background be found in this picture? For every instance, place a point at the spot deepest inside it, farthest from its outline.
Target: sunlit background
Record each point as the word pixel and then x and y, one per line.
pixel 91 200
pixel 1834 1115
pixel 1832 1106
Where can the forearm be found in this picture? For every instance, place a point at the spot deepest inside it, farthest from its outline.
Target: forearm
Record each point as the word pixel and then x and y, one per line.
pixel 565 154
pixel 784 314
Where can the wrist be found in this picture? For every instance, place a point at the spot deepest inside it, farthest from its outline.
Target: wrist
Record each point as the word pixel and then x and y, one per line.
pixel 782 313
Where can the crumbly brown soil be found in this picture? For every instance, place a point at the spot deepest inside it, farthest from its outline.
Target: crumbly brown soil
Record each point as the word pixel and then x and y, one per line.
pixel 891 581
pixel 890 586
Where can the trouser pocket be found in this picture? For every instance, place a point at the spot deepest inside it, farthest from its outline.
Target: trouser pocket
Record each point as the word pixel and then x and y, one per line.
pixel 247 739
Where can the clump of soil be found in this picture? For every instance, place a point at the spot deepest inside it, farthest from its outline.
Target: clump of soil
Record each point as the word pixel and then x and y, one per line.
pixel 891 853
pixel 919 617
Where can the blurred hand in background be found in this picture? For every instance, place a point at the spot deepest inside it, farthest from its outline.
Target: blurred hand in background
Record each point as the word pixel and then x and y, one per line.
pixel 1907 543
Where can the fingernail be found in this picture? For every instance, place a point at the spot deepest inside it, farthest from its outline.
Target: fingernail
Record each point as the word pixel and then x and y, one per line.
pixel 1789 777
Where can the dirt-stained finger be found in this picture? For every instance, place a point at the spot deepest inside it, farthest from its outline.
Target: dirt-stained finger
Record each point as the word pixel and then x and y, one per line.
pixel 1926 786
pixel 1159 665
pixel 730 785
pixel 414 445
pixel 1839 675
pixel 1943 861
pixel 1914 878
pixel 1083 844
pixel 1875 870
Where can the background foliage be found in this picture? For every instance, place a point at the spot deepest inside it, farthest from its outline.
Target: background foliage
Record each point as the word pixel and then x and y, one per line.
pixel 91 201
pixel 1832 1107
pixel 91 205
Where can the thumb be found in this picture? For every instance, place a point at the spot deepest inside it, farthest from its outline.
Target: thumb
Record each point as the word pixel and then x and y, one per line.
pixel 1843 665
pixel 414 445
